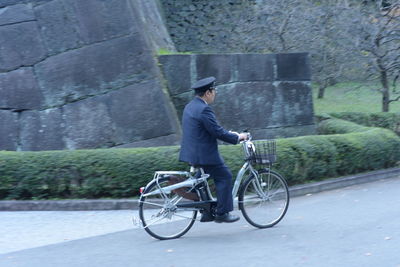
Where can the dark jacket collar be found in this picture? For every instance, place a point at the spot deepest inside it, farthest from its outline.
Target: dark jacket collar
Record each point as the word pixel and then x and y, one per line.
pixel 201 100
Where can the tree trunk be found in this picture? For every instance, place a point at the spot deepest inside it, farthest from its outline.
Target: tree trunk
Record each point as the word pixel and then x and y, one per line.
pixel 321 90
pixel 385 100
pixel 385 92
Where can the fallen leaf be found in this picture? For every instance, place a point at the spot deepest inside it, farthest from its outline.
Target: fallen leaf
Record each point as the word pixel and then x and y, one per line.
pixel 368 254
pixel 170 250
pixel 388 238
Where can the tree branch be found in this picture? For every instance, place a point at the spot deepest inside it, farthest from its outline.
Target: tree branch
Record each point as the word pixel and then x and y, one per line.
pixel 395 99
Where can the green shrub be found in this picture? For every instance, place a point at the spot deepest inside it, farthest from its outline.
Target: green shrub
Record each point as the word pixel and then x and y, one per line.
pixel 386 120
pixel 306 158
pixel 81 173
pixel 337 126
pixel 341 148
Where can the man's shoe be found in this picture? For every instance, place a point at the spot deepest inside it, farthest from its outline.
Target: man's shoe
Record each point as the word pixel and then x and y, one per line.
pixel 206 217
pixel 227 218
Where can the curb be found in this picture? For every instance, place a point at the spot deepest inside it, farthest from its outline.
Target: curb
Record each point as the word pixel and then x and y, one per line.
pixel 342 182
pixel 126 204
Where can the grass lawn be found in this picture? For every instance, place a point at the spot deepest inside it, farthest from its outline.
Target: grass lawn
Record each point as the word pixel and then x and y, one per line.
pixel 350 97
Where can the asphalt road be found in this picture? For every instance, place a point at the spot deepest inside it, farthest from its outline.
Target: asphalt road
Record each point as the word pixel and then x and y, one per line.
pixel 354 226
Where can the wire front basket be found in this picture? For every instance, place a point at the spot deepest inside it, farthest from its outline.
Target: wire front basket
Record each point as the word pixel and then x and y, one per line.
pixel 261 152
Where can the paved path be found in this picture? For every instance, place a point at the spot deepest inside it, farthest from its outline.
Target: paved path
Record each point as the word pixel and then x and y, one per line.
pixel 354 226
pixel 30 229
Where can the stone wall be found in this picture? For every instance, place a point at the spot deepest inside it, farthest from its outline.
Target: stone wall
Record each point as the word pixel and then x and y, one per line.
pixel 82 74
pixel 268 94
pixel 203 26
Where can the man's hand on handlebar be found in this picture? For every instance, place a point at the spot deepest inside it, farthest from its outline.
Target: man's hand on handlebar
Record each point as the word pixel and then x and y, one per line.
pixel 243 136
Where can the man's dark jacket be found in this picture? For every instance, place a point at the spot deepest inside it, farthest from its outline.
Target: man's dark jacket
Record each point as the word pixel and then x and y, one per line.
pixel 200 133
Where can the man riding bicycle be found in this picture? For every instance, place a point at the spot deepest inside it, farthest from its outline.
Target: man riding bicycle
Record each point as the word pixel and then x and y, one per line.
pixel 199 146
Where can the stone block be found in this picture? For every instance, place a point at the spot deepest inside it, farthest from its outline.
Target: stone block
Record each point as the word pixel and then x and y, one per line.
pixel 218 66
pixel 134 113
pixel 4 3
pixel 19 90
pixel 9 134
pixel 176 70
pixel 42 130
pixel 99 20
pixel 95 69
pixel 141 112
pixel 15 14
pixel 241 106
pixel 265 105
pixel 253 67
pixel 20 45
pixel 180 102
pixel 296 103
pixel 58 26
pixel 88 124
pixel 149 15
pixel 293 67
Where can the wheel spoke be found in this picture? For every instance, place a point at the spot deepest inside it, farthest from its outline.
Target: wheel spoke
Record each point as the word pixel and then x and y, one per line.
pixel 153 222
pixel 152 203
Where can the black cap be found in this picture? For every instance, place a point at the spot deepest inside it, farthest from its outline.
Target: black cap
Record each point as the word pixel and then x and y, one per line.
pixel 204 84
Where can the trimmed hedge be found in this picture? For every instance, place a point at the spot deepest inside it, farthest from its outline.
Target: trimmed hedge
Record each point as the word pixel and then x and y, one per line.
pixel 343 148
pixel 386 120
pixel 81 173
pixel 360 148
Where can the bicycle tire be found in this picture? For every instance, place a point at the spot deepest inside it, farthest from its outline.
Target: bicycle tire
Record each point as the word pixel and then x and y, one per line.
pixel 155 206
pixel 250 195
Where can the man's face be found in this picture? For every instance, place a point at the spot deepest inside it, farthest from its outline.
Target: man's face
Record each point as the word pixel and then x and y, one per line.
pixel 211 95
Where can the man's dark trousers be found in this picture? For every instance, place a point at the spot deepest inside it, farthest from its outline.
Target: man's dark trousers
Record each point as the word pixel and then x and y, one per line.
pixel 223 185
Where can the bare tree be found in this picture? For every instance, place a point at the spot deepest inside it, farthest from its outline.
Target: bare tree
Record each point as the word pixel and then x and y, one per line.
pixel 343 37
pixel 327 44
pixel 379 41
pixel 299 26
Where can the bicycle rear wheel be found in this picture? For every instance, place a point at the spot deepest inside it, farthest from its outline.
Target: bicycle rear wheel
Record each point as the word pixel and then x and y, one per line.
pixel 264 200
pixel 160 216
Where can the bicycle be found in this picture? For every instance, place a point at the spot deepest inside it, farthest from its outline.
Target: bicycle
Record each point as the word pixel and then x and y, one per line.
pixel 169 204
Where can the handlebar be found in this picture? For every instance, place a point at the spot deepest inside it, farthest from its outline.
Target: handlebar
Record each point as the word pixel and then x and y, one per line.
pixel 249 137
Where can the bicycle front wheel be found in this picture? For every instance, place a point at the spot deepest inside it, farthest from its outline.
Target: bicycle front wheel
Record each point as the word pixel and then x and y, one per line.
pixel 264 199
pixel 159 214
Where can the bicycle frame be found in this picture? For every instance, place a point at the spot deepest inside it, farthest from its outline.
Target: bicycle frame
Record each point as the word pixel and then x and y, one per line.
pixel 239 177
pixel 190 182
pixel 193 181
